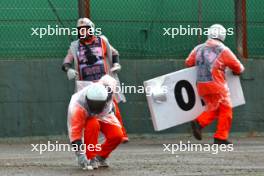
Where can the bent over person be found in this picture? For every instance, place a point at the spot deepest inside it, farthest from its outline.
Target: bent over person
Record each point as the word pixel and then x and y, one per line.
pixel 90 111
pixel 212 58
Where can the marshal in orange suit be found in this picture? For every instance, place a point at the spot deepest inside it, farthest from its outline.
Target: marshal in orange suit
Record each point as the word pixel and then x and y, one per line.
pixel 212 58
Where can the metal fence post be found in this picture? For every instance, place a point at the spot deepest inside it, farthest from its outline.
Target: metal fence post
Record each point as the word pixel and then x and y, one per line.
pixel 84 8
pixel 241 28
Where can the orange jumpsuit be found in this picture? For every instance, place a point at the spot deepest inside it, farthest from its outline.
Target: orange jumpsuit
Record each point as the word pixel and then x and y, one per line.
pixel 81 123
pixel 211 59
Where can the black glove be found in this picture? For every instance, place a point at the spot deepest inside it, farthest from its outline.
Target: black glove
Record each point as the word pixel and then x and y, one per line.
pixel 237 74
pixel 65 67
pixel 78 144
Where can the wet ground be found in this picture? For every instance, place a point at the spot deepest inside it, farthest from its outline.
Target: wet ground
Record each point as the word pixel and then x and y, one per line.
pixel 141 156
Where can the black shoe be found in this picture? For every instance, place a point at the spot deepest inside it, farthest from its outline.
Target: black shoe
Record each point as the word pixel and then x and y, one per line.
pixel 197 130
pixel 102 162
pixel 220 141
pixel 94 163
pixel 125 140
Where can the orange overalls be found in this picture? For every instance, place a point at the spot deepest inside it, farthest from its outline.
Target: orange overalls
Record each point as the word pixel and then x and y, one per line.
pixel 99 48
pixel 211 59
pixel 82 124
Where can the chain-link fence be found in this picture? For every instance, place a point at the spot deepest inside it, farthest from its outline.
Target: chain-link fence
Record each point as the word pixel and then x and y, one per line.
pixel 137 28
pixel 255 28
pixel 19 19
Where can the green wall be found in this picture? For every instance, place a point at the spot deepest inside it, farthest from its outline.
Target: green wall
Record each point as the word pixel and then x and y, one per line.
pixel 34 95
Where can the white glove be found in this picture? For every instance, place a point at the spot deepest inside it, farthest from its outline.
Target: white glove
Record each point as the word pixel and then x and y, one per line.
pixel 109 81
pixel 83 162
pixel 71 73
pixel 116 67
pixel 159 94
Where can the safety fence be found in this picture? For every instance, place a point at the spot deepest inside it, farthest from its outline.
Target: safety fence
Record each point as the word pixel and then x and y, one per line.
pixel 137 28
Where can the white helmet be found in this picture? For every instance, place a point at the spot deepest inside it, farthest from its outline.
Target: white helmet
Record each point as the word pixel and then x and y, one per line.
pixel 86 23
pixel 83 22
pixel 96 97
pixel 97 92
pixel 217 31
